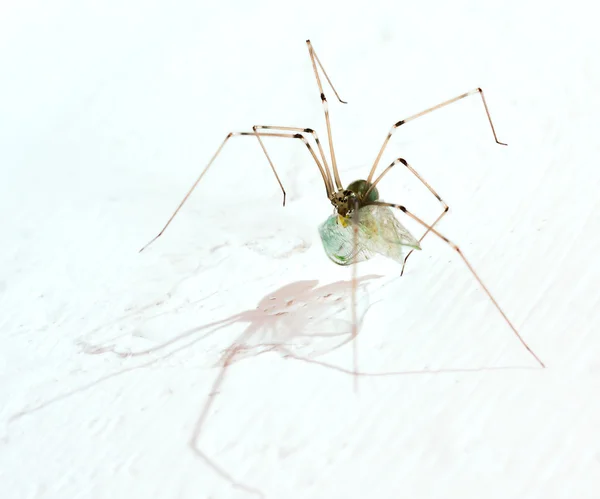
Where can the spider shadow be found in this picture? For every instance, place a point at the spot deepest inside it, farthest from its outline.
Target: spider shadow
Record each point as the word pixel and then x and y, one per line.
pixel 299 321
pixel 301 315
pixel 275 313
pixel 281 317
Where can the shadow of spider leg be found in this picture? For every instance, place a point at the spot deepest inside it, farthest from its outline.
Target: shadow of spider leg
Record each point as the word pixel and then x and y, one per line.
pixel 457 249
pixel 228 358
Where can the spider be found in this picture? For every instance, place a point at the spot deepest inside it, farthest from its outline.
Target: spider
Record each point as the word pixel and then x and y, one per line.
pixel 362 224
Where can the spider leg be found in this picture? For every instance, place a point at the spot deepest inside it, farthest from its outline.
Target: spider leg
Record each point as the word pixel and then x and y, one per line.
pixel 315 60
pixel 477 278
pixel 427 111
pixel 237 134
pixel 302 131
pixel 424 182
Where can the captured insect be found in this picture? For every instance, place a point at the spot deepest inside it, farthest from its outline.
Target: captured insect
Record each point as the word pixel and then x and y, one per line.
pixel 362 224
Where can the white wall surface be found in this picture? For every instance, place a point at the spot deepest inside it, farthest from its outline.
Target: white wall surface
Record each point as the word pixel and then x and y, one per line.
pixel 108 358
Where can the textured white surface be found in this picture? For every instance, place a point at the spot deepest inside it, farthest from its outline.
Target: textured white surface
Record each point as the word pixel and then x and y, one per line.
pixel 108 112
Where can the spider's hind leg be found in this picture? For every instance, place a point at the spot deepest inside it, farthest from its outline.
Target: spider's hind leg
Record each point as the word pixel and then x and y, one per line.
pixel 469 266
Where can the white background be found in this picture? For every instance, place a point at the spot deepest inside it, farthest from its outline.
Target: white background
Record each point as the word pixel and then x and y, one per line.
pixel 108 112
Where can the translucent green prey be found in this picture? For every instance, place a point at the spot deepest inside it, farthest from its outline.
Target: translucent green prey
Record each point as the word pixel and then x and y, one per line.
pixel 378 231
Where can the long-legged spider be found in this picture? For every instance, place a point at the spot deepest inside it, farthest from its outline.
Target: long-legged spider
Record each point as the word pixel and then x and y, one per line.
pixel 362 224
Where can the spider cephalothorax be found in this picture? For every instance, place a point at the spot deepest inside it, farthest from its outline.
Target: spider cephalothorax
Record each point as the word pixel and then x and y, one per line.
pixel 344 202
pixel 358 194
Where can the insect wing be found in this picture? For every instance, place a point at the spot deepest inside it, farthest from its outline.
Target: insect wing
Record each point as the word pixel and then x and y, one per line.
pixel 379 231
pixel 383 232
pixel 338 242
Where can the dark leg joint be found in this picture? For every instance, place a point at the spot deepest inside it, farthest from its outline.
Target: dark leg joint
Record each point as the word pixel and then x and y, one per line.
pixel 309 130
pixel 323 98
pixel 401 122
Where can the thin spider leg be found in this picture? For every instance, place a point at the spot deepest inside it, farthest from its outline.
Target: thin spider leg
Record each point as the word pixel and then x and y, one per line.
pixel 300 130
pixel 423 236
pixel 315 61
pixel 424 182
pixel 325 73
pixel 477 278
pixel 427 111
pixel 237 134
pixel 378 179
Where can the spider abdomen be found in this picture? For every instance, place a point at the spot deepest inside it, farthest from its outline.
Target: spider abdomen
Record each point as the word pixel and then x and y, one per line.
pixel 360 188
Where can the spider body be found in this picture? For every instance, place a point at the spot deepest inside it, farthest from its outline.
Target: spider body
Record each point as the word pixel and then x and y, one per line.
pixel 358 194
pixel 362 225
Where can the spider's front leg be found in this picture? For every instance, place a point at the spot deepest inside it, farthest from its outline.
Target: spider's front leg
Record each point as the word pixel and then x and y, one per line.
pixel 395 126
pixel 241 134
pixel 301 131
pixel 315 61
